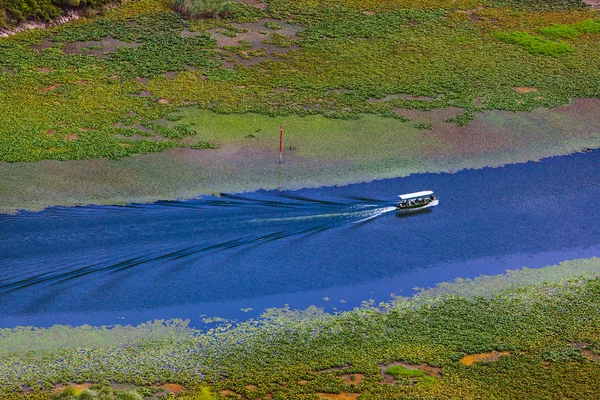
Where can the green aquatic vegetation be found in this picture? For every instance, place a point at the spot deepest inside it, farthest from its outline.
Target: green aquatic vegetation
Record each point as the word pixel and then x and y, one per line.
pixel 535 324
pixel 423 126
pixel 173 132
pixel 541 5
pixel 399 371
pixel 279 40
pixel 588 26
pixel 404 48
pixel 572 31
pixel 485 286
pixel 204 145
pixel 560 31
pixel 563 355
pixel 272 25
pixel 534 44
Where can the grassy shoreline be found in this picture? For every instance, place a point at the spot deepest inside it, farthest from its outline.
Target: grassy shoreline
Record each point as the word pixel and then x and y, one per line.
pixel 544 322
pixel 324 152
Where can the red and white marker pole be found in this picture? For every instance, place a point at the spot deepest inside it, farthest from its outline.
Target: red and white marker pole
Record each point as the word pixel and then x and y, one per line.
pixel 280 144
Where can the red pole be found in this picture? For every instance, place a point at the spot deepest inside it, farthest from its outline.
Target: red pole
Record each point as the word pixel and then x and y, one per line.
pixel 280 144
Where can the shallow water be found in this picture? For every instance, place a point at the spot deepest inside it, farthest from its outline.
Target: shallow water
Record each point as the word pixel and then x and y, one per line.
pixel 332 247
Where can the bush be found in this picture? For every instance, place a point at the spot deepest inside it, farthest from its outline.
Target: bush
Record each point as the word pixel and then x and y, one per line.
pixel 202 8
pixel 534 44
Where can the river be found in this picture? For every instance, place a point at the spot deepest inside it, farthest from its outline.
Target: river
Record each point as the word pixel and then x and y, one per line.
pixel 233 256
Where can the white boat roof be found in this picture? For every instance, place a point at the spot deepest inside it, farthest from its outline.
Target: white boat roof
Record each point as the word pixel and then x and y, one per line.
pixel 415 194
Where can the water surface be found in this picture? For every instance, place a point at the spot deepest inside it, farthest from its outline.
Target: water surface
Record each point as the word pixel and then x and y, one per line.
pixel 332 247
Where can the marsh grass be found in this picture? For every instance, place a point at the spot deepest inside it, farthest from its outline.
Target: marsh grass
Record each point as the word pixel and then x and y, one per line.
pixel 202 8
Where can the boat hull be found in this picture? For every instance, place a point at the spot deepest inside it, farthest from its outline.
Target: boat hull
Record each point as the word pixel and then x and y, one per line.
pixel 418 208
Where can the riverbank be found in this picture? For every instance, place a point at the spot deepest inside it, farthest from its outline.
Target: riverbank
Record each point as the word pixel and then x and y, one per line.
pixel 318 151
pixel 538 327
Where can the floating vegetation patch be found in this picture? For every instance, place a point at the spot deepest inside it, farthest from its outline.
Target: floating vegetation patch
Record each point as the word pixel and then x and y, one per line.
pixel 571 31
pixel 534 44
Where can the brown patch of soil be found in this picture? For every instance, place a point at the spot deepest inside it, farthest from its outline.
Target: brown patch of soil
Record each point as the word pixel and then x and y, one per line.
pixel 521 89
pixel 45 70
pixel 369 13
pixel 49 88
pixel 303 381
pixel 100 48
pixel 589 354
pixel 142 80
pixel 163 101
pixel 339 396
pixel 471 359
pixel 358 378
pixel 227 392
pixel 472 14
pixel 70 137
pixel 251 387
pixel 255 40
pixel 171 74
pixel 340 91
pixel 173 387
pixel 144 93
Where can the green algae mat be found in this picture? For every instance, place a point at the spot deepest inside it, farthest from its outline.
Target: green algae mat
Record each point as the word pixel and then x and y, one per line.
pixel 106 86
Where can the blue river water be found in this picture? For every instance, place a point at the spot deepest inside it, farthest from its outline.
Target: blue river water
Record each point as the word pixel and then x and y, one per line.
pixel 233 256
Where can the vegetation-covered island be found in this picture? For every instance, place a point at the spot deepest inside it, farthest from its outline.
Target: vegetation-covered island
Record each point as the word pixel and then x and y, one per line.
pixel 135 101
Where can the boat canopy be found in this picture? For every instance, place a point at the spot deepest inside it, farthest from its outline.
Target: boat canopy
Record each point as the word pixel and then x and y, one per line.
pixel 416 194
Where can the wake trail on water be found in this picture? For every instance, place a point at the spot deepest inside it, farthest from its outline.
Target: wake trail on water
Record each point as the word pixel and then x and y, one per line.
pixel 216 225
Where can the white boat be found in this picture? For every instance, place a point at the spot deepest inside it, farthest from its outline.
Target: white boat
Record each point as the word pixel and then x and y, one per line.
pixel 417 201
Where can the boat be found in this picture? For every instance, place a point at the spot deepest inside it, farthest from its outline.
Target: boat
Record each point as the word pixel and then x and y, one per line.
pixel 417 201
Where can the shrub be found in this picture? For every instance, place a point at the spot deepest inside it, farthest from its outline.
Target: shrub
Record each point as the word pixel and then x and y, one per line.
pixel 202 8
pixel 534 44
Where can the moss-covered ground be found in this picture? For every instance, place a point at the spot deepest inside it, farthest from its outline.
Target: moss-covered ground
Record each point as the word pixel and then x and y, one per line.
pixel 535 335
